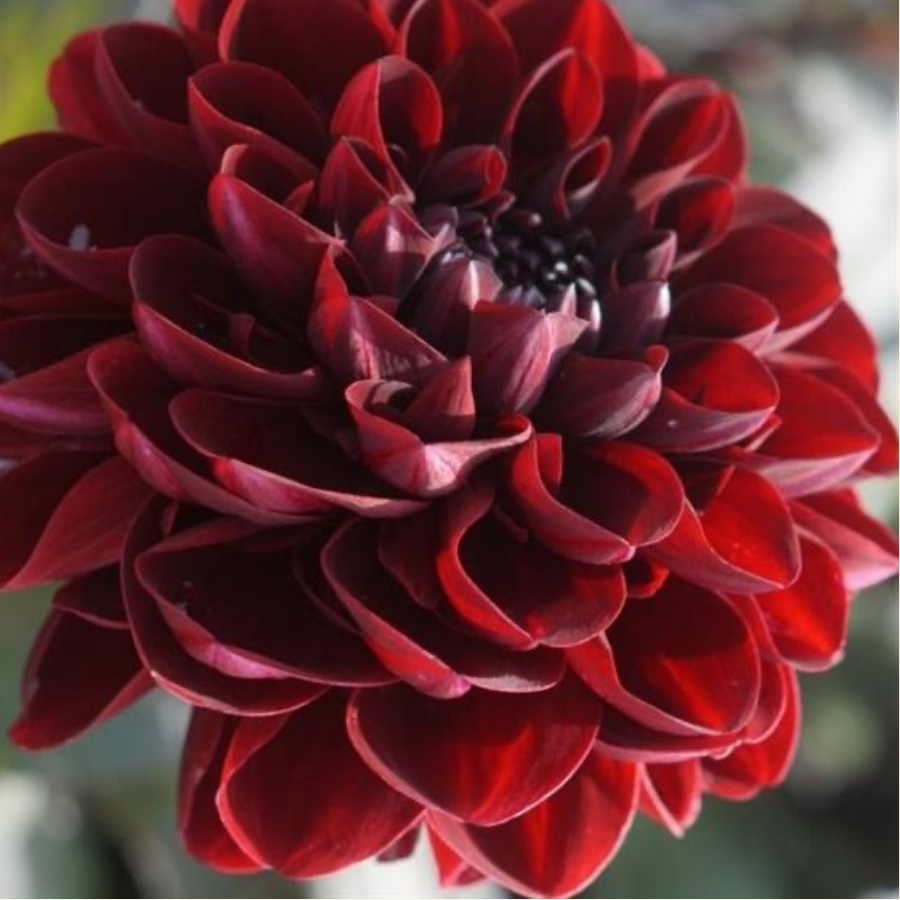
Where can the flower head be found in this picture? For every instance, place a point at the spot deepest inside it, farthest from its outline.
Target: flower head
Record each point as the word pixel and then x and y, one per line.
pixel 420 392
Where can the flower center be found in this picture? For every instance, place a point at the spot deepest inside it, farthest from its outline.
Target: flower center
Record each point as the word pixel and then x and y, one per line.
pixel 539 266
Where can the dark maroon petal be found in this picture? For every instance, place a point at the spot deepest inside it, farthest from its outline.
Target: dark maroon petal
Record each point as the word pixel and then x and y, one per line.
pixel 822 439
pixel 482 758
pixel 515 352
pixel 394 107
pixel 671 794
pixel 471 59
pixel 96 597
pixel 136 395
pixel 453 870
pixel 683 663
pixel 202 593
pixel 410 641
pixel 514 592
pixel 613 497
pixel 561 846
pixel 242 103
pixel 566 188
pixel 808 620
pixel 356 340
pixel 188 317
pixel 277 252
pixel 714 393
pixel 393 250
pixel 175 670
pixel 317 47
pixel 865 548
pixel 786 270
pixel 141 69
pixel 593 29
pixel 724 312
pixel 557 109
pixel 634 316
pixel 755 205
pixel 78 674
pixel 266 453
pixel 748 769
pixel 744 541
pixel 407 549
pixel 85 214
pixel 602 398
pixel 199 823
pixel 465 176
pixel 698 211
pixel 292 791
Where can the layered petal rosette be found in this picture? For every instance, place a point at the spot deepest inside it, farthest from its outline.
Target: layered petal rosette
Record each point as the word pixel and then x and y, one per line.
pixel 419 390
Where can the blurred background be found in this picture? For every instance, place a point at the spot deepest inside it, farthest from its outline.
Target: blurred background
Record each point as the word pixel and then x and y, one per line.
pixel 817 80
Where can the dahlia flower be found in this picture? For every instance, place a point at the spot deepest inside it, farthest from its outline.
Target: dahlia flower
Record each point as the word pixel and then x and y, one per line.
pixel 421 393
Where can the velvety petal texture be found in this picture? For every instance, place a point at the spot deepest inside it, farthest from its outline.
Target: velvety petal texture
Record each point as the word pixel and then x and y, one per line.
pixel 421 392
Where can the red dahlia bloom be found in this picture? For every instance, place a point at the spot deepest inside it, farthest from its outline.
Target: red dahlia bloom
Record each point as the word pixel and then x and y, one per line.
pixel 420 392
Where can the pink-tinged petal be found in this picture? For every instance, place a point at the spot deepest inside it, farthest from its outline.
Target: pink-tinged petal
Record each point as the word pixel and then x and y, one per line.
pixel 844 339
pixel 634 316
pixel 865 548
pixel 266 453
pixel 242 103
pixel 58 399
pixel 136 395
pixel 403 847
pixel 393 250
pixel 649 258
pixel 714 393
pixel 199 824
pixel 316 47
pixel 671 794
pixel 356 340
pixel 601 397
pixel 175 670
pixel 681 126
pixel 277 252
pixel 785 269
pixel 724 312
pixel 74 89
pixel 78 674
pixel 141 70
pixel 557 109
pixel 465 176
pixel 453 870
pixel 517 593
pixel 394 107
pixel 593 29
pixel 96 597
pixel 808 621
pixel 481 758
pixel 202 593
pixel 186 314
pixel 292 789
pixel 612 497
pixel 443 301
pixel 403 451
pixel 744 541
pixel 758 205
pixel 749 768
pixel 561 846
pixel 661 663
pixel 412 642
pixel 515 351
pixel 85 214
pixel 822 440
pixel 87 528
pixel 884 460
pixel 471 59
pixel 698 211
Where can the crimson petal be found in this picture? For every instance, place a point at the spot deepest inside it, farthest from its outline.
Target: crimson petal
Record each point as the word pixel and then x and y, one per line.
pixel 481 758
pixel 671 794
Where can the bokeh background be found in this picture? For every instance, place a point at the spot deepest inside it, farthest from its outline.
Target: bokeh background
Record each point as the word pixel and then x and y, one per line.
pixel 817 80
